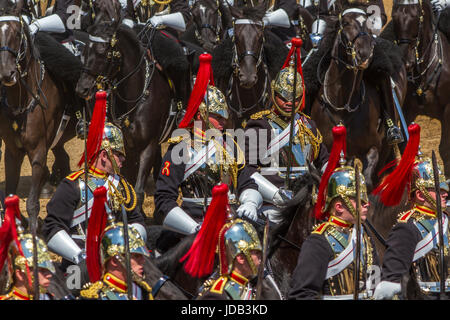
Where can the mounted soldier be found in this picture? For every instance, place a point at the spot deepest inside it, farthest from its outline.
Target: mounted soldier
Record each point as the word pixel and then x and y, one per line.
pixel 162 22
pixel 296 154
pixel 238 247
pixel 331 264
pixel 17 247
pixel 69 209
pixel 198 160
pixel 107 253
pixel 412 246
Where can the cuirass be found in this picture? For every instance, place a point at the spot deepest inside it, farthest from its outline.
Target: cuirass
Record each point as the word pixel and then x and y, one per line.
pixel 427 268
pixel 343 282
pixel 201 182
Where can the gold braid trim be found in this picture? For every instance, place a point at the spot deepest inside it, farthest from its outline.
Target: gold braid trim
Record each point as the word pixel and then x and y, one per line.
pixel 164 2
pixel 92 289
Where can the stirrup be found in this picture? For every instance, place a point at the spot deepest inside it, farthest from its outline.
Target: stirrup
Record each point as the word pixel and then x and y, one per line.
pixel 394 135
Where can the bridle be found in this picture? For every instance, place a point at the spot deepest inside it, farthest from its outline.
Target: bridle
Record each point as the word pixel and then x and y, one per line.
pixel 350 51
pixel 236 60
pixel 19 54
pixel 217 29
pixel 419 60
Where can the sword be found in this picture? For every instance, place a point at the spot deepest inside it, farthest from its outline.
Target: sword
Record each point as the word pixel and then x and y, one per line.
pixel 399 110
pixel 291 132
pixel 357 166
pixel 126 241
pixel 437 188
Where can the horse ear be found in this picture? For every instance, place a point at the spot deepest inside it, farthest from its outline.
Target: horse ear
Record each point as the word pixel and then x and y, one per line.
pixel 236 12
pixel 19 7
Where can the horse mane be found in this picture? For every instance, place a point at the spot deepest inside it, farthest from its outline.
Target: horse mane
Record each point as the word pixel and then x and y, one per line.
pixel 169 261
pixel 300 204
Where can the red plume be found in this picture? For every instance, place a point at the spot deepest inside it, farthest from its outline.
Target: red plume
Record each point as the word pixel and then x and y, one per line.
pixel 96 225
pixel 339 144
pixel 204 77
pixel 392 187
pixel 296 45
pixel 95 135
pixel 200 257
pixel 8 231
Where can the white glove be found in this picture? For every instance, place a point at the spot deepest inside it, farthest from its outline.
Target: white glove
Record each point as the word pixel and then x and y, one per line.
pixel 128 22
pixel 386 290
pixel 251 200
pixel 439 5
pixel 248 210
pixel 156 21
pixel 280 199
pixel 34 27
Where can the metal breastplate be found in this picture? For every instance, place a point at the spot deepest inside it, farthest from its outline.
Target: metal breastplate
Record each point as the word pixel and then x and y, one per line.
pixel 301 152
pixel 200 183
pixel 427 267
pixel 148 8
pixel 239 292
pixel 343 282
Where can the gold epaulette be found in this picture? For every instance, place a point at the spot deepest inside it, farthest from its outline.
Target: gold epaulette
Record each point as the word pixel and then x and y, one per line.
pixel 74 175
pixel 404 216
pixel 321 228
pixel 260 114
pixel 176 139
pixel 219 285
pixel 91 290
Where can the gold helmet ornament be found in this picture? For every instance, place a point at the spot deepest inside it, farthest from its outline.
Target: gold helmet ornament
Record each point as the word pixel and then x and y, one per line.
pixel 283 85
pixel 216 103
pixel 237 237
pixel 413 172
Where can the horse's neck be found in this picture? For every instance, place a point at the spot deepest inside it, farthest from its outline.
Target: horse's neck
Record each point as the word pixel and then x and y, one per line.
pixel 134 84
pixel 341 85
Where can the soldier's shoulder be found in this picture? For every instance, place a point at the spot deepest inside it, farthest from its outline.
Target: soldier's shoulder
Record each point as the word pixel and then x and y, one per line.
pixel 176 139
pixel 91 290
pixel 218 285
pixel 260 115
pixel 75 175
pixel 320 228
pixel 405 216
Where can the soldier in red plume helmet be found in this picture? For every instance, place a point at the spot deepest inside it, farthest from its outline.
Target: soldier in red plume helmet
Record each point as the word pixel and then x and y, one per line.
pixel 412 243
pixel 65 225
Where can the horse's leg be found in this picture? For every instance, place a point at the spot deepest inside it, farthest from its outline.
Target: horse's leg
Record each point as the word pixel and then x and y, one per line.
pixel 61 166
pixel 39 173
pixel 146 159
pixel 13 164
pixel 444 146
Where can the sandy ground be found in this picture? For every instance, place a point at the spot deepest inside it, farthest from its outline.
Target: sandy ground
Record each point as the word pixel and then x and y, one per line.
pixel 430 138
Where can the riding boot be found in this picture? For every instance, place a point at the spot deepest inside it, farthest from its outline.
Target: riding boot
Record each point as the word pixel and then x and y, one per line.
pixel 393 133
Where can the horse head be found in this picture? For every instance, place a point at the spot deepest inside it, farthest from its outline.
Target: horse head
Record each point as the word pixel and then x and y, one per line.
pixel 248 43
pixel 106 10
pixel 102 59
pixel 354 43
pixel 207 18
pixel 13 41
pixel 408 18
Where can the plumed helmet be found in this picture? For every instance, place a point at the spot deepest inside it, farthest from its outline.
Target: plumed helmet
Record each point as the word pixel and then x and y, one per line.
pixel 215 101
pixel 342 184
pixel 237 236
pixel 20 262
pixel 112 139
pixel 113 244
pixel 423 176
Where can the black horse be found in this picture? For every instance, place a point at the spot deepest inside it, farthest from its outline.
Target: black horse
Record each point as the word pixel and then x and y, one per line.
pixel 349 92
pixel 210 22
pixel 245 64
pixel 426 56
pixel 140 95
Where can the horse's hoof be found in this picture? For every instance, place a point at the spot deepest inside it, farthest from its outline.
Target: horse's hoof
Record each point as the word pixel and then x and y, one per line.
pixel 47 191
